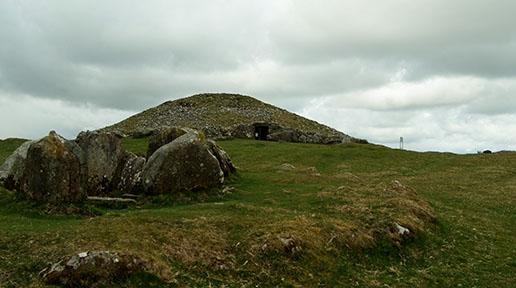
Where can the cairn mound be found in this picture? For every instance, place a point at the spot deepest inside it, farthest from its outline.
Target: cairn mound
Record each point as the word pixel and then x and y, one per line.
pixel 220 116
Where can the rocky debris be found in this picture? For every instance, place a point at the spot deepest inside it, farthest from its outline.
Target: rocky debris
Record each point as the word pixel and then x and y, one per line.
pixel 184 164
pixel 287 167
pixel 12 169
pixel 92 269
pixel 294 135
pixel 110 199
pixel 228 190
pixel 286 135
pixel 222 116
pixel 224 161
pixel 242 131
pixel 102 155
pixel 402 231
pixel 291 246
pixel 129 178
pixel 51 171
pixel 313 171
pixel 164 136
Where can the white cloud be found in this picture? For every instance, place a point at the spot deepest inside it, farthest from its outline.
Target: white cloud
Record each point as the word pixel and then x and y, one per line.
pixel 28 117
pixel 446 114
pixel 430 93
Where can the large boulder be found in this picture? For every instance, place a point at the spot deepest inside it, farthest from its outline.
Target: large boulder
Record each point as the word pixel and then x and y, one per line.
pixel 164 136
pixel 184 164
pixel 103 155
pixel 51 171
pixel 128 179
pixel 12 169
pixel 287 135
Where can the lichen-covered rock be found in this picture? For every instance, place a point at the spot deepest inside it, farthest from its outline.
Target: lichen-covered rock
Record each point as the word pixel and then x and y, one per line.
pixel 129 178
pixel 224 161
pixel 164 136
pixel 51 171
pixel 103 155
pixel 184 164
pixel 92 269
pixel 286 135
pixel 242 131
pixel 12 169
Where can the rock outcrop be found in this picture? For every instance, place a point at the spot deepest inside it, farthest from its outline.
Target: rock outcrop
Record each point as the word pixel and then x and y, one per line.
pixel 52 171
pixel 92 269
pixel 185 164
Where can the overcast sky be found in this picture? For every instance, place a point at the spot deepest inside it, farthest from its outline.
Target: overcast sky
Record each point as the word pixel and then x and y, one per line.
pixel 440 73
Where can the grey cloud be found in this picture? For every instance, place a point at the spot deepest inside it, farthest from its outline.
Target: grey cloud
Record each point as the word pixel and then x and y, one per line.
pixel 461 37
pixel 83 52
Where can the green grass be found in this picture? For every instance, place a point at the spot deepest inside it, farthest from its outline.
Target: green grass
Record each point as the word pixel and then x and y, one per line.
pixel 7 147
pixel 136 145
pixel 337 204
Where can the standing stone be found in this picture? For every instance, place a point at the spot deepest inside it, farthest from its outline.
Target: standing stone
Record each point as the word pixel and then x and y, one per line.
pixel 128 179
pixel 52 171
pixel 184 164
pixel 224 161
pixel 103 155
pixel 12 169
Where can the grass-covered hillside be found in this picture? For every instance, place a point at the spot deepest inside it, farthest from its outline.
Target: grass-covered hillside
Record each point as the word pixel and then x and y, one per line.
pixel 297 215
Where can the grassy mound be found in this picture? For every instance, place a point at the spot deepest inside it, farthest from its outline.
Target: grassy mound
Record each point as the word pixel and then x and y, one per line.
pixel 217 111
pixel 298 215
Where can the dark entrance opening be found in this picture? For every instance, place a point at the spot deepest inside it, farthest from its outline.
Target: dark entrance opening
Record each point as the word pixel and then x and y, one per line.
pixel 261 132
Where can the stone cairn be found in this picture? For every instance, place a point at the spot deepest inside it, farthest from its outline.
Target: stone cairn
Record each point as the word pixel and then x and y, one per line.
pixel 55 170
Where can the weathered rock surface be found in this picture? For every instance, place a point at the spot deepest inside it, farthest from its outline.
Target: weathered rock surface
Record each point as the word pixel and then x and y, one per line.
pixel 92 269
pixel 294 135
pixel 103 155
pixel 12 169
pixel 224 161
pixel 164 136
pixel 55 170
pixel 184 164
pixel 129 178
pixel 51 171
pixel 287 167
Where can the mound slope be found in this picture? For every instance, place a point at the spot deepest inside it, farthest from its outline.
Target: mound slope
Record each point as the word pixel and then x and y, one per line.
pixel 230 116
